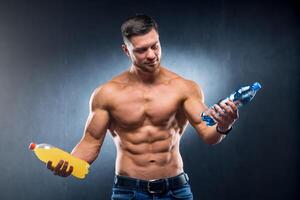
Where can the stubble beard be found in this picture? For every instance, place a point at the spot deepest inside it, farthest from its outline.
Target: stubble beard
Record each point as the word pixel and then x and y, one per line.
pixel 150 68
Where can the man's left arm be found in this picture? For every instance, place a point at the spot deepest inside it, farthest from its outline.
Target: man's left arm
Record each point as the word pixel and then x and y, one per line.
pixel 224 113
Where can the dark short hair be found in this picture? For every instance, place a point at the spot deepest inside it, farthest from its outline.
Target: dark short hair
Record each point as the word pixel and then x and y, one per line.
pixel 139 24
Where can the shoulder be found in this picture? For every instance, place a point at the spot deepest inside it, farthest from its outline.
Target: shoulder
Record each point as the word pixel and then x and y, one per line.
pixel 188 88
pixel 103 93
pixel 192 86
pixel 183 83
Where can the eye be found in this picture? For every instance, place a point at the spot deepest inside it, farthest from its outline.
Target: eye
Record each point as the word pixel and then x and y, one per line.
pixel 140 50
pixel 155 47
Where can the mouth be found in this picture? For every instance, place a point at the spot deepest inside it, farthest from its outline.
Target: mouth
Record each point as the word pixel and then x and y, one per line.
pixel 152 63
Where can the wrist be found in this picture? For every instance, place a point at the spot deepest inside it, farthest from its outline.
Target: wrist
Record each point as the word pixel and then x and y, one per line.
pixel 223 132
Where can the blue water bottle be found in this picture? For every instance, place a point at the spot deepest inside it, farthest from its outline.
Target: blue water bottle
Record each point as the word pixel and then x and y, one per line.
pixel 240 97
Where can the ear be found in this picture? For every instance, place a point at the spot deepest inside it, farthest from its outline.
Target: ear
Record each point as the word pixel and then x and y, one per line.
pixel 125 49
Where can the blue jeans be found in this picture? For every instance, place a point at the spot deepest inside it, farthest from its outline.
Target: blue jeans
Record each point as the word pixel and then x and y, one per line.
pixel 183 192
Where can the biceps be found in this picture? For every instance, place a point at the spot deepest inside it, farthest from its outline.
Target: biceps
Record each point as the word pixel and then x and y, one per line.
pixel 193 108
pixel 97 124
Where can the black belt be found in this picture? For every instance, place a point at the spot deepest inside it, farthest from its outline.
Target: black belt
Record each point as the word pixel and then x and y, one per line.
pixel 152 186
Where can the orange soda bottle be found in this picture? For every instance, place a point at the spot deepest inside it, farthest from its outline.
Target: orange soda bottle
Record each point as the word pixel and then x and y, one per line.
pixel 47 152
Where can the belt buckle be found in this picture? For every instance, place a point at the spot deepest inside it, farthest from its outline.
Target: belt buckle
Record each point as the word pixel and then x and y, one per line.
pixel 153 191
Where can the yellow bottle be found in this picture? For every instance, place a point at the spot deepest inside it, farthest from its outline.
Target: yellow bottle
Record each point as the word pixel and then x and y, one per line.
pixel 47 152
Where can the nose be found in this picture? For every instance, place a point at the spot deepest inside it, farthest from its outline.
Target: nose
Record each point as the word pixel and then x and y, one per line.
pixel 151 54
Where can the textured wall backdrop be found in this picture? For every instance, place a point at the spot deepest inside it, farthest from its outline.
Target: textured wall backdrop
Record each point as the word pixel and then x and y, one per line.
pixel 53 54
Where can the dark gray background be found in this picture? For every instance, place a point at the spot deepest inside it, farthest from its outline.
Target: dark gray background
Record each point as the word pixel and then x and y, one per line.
pixel 53 54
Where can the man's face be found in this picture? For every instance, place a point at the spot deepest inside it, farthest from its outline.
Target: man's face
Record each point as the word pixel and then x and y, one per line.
pixel 144 51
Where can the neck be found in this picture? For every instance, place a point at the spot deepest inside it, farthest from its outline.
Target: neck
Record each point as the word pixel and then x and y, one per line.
pixel 143 76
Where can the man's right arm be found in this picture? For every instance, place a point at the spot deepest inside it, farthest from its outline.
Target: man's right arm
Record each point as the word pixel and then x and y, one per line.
pixel 95 130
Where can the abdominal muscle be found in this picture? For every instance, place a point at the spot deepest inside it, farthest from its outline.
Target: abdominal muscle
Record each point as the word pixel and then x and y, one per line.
pixel 148 153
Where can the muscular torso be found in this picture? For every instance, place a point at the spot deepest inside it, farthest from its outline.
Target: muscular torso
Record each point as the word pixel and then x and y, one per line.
pixel 147 122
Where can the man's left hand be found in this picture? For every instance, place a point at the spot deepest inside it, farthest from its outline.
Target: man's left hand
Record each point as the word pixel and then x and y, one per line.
pixel 225 114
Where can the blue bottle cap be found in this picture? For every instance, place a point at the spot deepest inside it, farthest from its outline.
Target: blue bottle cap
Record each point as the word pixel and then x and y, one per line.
pixel 256 86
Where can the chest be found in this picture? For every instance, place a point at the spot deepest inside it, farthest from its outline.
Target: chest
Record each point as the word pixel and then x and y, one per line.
pixel 134 106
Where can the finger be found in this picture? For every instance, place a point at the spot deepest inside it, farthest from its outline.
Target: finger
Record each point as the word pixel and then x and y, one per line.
pixel 233 108
pixel 64 168
pixel 219 110
pixel 216 117
pixel 229 111
pixel 49 165
pixel 69 171
pixel 232 105
pixel 58 166
pixel 223 117
pixel 226 109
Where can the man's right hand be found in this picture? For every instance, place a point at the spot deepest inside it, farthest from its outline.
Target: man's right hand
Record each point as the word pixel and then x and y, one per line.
pixel 60 169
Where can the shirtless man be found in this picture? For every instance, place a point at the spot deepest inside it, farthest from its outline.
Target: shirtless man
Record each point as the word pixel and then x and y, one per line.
pixel 146 109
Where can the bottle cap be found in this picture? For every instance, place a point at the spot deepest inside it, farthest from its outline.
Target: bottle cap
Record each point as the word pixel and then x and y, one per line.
pixel 256 86
pixel 32 146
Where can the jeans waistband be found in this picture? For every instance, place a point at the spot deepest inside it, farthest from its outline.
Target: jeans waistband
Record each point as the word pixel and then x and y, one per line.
pixel 152 186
